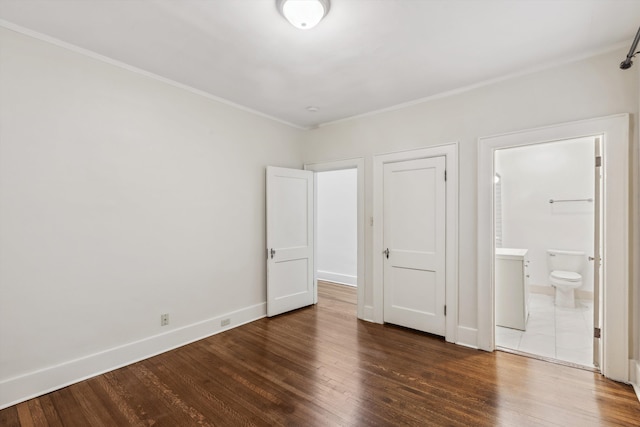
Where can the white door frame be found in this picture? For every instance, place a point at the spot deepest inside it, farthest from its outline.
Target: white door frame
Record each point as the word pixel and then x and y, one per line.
pixel 450 152
pixel 358 164
pixel 615 244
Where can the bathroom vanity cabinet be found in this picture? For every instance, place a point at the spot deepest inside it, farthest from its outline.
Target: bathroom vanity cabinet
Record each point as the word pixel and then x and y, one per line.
pixel 512 288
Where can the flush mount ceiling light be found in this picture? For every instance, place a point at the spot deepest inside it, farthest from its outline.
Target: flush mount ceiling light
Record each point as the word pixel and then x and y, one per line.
pixel 303 14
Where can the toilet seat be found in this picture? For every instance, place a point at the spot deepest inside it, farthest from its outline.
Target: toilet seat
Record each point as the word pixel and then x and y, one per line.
pixel 568 276
pixel 565 279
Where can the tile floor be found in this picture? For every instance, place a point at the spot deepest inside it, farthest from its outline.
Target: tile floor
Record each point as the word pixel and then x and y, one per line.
pixel 559 333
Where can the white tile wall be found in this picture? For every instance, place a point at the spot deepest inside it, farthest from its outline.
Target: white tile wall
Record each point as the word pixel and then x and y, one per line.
pixel 560 333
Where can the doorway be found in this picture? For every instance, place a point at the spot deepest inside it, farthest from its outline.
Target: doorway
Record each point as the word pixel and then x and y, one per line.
pixel 545 270
pixel 615 231
pixel 337 234
pixel 350 171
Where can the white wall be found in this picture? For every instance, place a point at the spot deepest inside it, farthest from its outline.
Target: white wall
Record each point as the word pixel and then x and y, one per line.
pixel 336 227
pixel 122 198
pixel 532 175
pixel 588 88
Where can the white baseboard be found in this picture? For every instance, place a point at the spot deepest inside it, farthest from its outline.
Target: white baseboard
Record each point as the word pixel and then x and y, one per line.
pixel 467 337
pixel 634 376
pixel 580 294
pixel 343 279
pixel 542 289
pixel 23 387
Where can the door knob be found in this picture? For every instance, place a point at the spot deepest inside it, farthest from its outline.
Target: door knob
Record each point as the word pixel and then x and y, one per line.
pixel 386 252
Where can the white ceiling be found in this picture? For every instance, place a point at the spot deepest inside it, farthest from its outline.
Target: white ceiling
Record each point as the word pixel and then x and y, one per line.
pixel 366 55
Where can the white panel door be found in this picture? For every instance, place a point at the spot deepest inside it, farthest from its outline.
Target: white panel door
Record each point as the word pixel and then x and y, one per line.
pixel 414 240
pixel 289 239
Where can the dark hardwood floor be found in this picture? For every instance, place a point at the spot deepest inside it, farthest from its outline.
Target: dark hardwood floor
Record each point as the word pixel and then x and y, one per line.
pixel 320 366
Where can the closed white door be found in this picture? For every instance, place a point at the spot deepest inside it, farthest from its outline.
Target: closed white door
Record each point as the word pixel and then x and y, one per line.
pixel 414 241
pixel 290 283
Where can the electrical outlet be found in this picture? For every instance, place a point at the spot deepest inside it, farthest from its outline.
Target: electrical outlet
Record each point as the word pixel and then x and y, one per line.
pixel 164 319
pixel 225 322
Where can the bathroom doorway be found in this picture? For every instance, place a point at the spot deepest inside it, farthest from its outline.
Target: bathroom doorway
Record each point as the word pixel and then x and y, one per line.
pixel 546 220
pixel 615 268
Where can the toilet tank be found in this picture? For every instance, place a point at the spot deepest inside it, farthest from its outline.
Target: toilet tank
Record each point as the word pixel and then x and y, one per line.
pixel 559 260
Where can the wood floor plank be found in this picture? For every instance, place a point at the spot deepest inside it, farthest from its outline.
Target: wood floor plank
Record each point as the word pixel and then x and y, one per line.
pixel 24 415
pixel 120 409
pixel 280 376
pixel 338 292
pixel 37 413
pixel 320 366
pixel 213 391
pixel 175 407
pixel 92 407
pixel 150 410
pixel 51 416
pixel 9 417
pixel 68 408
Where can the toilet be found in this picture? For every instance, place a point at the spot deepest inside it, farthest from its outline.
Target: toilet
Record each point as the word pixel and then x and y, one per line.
pixel 565 268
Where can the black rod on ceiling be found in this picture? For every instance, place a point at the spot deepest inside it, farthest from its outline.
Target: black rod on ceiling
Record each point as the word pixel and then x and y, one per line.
pixel 627 63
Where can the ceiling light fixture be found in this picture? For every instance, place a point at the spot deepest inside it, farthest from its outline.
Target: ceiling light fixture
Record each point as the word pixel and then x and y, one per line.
pixel 303 14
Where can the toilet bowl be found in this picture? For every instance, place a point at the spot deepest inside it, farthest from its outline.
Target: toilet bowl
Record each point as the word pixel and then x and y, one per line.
pixel 564 274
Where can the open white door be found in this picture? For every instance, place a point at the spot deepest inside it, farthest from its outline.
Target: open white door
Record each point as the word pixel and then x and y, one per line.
pixel 597 256
pixel 290 283
pixel 414 239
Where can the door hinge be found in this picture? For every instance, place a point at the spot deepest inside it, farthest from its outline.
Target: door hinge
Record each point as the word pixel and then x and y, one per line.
pixel 598 161
pixel 596 332
pixel 445 174
pixel 445 310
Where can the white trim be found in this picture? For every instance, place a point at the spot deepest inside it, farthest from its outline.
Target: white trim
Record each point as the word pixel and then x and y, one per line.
pixel 23 387
pixel 450 151
pixel 368 313
pixel 343 279
pixel 358 164
pixel 467 337
pixel 615 130
pixel 93 55
pixel 634 374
